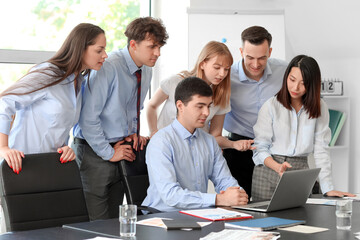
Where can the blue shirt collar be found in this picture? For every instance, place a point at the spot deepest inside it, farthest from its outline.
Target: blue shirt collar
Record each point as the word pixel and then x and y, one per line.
pixel 243 77
pixel 129 61
pixel 182 131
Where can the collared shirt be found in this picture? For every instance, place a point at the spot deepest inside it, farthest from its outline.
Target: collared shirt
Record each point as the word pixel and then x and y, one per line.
pixel 43 118
pixel 283 132
pixel 109 106
pixel 248 95
pixel 180 164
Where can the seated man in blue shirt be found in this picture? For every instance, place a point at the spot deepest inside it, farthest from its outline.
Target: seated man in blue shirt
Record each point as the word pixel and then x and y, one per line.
pixel 181 158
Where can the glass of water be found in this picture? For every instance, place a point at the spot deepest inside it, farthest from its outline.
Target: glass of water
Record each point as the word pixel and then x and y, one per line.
pixel 343 214
pixel 127 218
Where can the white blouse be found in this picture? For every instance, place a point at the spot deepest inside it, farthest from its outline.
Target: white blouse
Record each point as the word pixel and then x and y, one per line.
pixel 283 132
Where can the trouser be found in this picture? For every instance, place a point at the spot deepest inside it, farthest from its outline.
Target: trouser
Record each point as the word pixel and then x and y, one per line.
pixel 103 188
pixel 240 164
pixel 265 179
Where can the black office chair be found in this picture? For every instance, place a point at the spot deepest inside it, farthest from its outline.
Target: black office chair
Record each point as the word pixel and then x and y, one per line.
pixel 134 176
pixel 46 193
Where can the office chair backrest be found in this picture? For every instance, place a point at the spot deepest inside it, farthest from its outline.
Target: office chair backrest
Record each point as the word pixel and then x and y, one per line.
pixel 46 193
pixel 135 178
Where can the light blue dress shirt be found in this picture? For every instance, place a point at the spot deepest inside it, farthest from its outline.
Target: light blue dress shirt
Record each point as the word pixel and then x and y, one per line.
pixel 248 95
pixel 109 109
pixel 180 164
pixel 43 118
pixel 283 132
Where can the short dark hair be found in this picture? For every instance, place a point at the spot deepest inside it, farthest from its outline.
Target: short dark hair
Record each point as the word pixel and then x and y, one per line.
pixel 311 74
pixel 256 35
pixel 144 27
pixel 191 86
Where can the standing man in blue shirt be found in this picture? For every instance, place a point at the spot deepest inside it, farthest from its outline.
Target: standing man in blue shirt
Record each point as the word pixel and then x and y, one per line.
pixel 110 113
pixel 181 157
pixel 253 81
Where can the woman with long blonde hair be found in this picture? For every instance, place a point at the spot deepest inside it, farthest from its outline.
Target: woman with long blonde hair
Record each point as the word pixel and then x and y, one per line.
pixel 213 66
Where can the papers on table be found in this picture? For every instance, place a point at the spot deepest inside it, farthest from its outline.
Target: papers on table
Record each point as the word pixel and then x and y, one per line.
pixel 157 222
pixel 322 201
pixel 304 229
pixel 101 238
pixel 229 234
pixel 216 214
pixel 325 201
pixel 153 222
pixel 356 198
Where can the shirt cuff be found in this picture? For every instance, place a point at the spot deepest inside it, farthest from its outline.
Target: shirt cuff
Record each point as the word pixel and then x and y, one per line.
pixel 260 157
pixel 209 199
pixel 109 154
pixel 326 187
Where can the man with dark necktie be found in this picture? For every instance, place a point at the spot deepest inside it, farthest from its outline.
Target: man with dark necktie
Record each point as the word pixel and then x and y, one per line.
pixel 109 119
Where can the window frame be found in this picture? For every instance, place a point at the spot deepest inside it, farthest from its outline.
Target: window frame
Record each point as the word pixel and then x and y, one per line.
pixel 24 56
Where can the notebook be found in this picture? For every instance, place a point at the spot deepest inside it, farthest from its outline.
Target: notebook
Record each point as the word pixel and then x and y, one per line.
pixel 336 122
pixel 263 224
pixel 180 224
pixel 292 190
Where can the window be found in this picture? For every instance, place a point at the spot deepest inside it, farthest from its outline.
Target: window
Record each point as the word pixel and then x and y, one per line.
pixel 39 27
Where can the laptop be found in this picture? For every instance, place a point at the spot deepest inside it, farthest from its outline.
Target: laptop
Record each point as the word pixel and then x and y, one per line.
pixel 292 190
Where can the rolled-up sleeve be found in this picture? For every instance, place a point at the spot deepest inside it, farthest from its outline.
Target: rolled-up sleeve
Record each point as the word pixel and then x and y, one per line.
pixel 321 154
pixel 263 131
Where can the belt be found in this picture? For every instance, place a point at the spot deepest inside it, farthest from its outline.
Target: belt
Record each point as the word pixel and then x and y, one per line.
pixel 83 141
pixel 235 137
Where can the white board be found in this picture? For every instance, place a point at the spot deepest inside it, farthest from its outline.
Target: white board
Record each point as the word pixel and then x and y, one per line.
pixel 205 26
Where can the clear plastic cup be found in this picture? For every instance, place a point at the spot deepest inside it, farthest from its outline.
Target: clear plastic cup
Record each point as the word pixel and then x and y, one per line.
pixel 343 214
pixel 127 218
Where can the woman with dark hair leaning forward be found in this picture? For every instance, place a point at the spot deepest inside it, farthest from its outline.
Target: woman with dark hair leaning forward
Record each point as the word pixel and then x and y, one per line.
pixel 46 101
pixel 291 125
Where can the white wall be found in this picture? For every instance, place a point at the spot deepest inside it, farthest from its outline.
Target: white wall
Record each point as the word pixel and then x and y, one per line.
pixel 329 31
pixel 174 54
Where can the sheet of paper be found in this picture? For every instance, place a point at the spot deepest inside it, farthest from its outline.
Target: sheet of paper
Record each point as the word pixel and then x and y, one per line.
pixel 157 222
pixel 228 234
pixel 203 224
pixel 153 222
pixel 304 229
pixel 322 201
pixel 356 198
pixel 101 238
pixel 216 214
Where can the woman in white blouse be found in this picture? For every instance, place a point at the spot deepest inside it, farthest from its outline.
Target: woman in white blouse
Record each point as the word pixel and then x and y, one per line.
pixel 290 126
pixel 213 66
pixel 46 102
